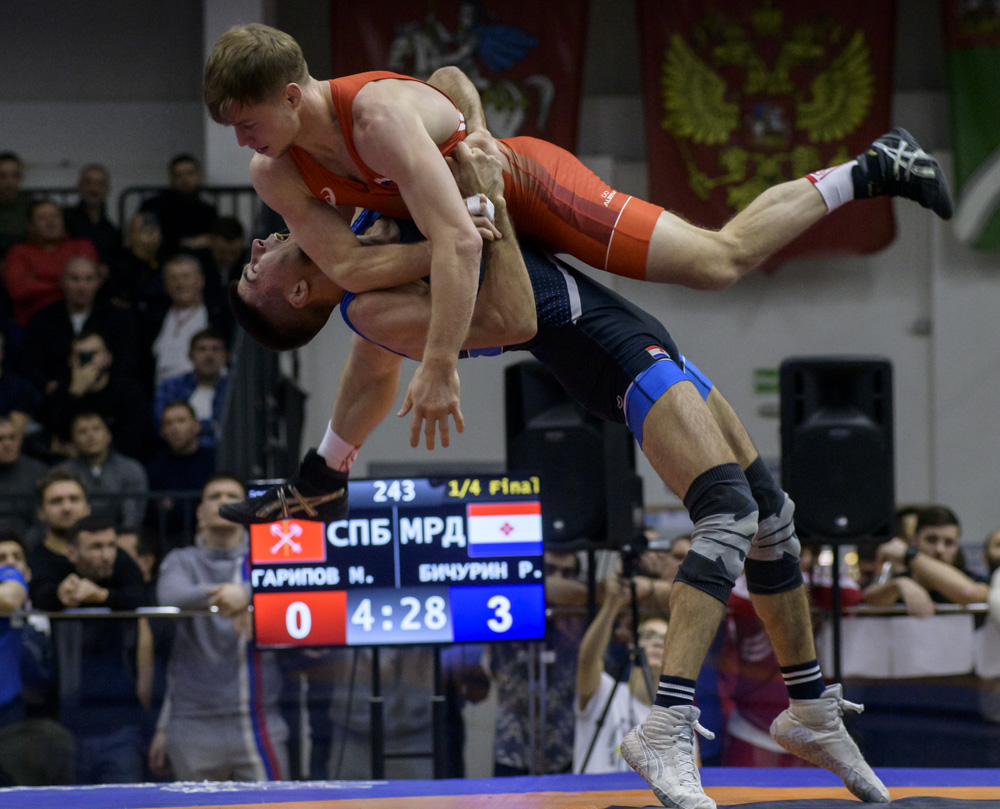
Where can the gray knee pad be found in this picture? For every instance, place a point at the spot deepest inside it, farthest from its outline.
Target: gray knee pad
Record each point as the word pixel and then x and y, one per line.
pixel 772 564
pixel 775 537
pixel 725 521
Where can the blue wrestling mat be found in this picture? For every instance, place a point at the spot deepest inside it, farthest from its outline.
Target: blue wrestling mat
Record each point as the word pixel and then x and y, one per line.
pixel 800 788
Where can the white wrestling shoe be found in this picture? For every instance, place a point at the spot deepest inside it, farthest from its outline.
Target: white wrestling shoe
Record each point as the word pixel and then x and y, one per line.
pixel 813 729
pixel 661 750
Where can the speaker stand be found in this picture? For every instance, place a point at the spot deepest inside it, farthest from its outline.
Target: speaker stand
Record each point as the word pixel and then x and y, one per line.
pixel 836 611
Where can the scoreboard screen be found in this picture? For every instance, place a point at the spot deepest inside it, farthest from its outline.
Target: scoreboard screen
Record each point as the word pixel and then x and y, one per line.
pixel 417 561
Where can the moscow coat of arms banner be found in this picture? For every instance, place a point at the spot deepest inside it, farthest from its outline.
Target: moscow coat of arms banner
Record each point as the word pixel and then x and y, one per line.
pixel 525 57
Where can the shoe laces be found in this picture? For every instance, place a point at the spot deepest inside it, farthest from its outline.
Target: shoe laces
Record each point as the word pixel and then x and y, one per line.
pixel 684 749
pixel 847 705
pixel 905 159
pixel 703 731
pixel 283 502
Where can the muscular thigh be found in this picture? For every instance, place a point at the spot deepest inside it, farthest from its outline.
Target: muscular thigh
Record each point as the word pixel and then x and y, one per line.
pixel 679 252
pixel 681 438
pixel 732 428
pixel 558 201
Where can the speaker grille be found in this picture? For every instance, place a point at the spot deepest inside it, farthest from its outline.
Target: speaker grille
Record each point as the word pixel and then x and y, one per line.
pixel 837 445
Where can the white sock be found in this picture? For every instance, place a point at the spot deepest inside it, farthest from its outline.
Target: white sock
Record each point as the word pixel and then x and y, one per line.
pixel 337 452
pixel 835 185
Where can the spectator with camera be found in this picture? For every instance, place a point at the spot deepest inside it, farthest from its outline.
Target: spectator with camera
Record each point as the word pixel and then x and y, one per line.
pixel 49 333
pixel 93 383
pixel 628 703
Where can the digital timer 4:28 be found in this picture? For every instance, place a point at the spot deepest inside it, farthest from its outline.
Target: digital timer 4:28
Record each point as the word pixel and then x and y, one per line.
pixel 387 616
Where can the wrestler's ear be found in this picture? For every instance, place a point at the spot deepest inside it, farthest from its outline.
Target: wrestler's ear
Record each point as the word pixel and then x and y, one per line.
pixel 298 295
pixel 293 95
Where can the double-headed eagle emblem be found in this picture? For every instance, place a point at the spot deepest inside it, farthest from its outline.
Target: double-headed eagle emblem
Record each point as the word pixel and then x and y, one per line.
pixel 765 117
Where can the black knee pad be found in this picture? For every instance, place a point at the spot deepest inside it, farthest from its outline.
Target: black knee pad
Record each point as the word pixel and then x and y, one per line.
pixel 724 514
pixel 766 491
pixel 774 575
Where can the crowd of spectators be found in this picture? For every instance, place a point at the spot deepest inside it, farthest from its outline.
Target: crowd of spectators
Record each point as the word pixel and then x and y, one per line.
pixel 113 370
pixel 102 330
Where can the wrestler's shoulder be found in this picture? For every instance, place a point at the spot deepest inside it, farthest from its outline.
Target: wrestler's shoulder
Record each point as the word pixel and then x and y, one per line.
pixel 278 174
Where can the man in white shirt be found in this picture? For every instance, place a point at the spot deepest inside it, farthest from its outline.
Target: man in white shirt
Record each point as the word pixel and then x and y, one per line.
pixel 631 702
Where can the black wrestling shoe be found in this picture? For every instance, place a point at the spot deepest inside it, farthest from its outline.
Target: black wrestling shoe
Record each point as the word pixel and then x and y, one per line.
pixel 317 493
pixel 895 165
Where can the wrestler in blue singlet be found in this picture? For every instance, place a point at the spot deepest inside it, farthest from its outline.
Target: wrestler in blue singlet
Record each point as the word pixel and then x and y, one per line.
pixel 612 358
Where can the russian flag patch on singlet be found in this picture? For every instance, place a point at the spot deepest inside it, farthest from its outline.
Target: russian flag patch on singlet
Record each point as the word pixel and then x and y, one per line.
pixel 657 353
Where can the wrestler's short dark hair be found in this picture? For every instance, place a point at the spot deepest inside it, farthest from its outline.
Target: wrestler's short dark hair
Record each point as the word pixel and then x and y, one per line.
pixel 283 327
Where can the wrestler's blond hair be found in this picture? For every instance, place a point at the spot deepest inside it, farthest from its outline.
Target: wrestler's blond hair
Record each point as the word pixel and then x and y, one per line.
pixel 249 65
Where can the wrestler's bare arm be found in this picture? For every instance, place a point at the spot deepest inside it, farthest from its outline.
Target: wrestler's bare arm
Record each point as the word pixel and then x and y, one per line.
pixel 451 81
pixel 396 131
pixel 367 390
pixel 326 237
pixel 506 302
pixel 398 318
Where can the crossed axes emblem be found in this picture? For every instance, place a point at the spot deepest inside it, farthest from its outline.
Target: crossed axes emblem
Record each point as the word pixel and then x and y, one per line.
pixel 286 538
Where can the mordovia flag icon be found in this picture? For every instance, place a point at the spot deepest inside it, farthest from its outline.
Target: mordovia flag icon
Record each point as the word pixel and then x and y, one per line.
pixel 505 529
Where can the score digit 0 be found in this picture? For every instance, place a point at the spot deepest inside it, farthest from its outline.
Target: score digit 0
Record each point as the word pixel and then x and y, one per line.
pixel 286 619
pixel 298 620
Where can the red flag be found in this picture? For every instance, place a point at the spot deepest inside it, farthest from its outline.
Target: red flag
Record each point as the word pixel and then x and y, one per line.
pixel 287 541
pixel 741 95
pixel 526 58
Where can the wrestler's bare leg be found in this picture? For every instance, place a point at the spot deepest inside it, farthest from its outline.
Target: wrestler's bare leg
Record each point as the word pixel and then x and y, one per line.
pixel 786 616
pixel 682 440
pixel 680 253
pixel 684 437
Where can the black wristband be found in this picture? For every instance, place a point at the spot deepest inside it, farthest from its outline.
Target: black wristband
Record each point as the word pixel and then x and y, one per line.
pixel 908 557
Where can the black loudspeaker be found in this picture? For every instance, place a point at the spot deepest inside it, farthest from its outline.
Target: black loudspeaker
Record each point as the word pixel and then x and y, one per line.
pixel 837 445
pixel 590 493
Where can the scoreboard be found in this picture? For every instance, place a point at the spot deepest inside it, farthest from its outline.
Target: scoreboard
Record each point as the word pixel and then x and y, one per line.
pixel 418 560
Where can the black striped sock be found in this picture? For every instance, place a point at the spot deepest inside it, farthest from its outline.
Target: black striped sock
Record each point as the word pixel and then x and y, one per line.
pixel 804 681
pixel 674 691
